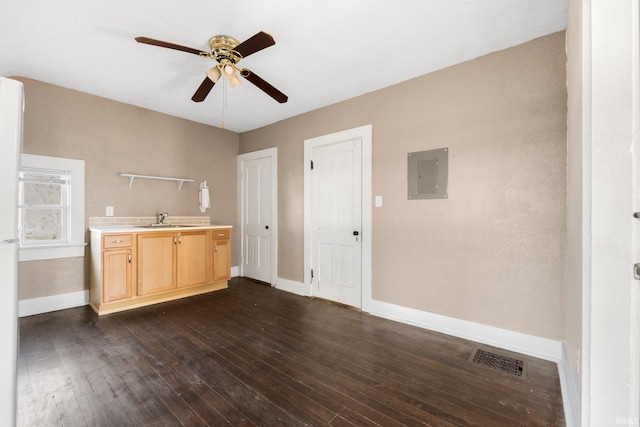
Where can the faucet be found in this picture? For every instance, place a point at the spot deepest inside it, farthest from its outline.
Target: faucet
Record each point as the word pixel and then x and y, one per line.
pixel 161 217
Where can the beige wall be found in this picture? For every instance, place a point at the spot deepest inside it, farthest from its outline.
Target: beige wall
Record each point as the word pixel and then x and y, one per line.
pixel 112 137
pixel 492 253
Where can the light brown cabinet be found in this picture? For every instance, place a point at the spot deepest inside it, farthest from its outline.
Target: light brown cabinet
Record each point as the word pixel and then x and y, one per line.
pixel 156 263
pixel 221 259
pixel 173 260
pixel 140 268
pixel 117 259
pixel 194 253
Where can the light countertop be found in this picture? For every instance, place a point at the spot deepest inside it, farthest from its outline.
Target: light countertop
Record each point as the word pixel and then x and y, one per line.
pixel 141 229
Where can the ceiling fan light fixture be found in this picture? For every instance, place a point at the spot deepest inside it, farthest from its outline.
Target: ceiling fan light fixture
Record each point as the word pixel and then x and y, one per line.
pixel 214 74
pixel 228 70
pixel 234 80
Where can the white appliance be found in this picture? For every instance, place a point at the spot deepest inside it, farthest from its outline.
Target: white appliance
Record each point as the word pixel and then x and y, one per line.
pixel 11 115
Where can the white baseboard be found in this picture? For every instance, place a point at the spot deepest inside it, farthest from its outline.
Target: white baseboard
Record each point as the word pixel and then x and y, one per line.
pixel 570 396
pixel 292 286
pixel 542 348
pixel 29 307
pixel 518 342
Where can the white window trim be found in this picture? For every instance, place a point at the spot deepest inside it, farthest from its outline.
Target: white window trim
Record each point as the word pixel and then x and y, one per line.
pixel 75 247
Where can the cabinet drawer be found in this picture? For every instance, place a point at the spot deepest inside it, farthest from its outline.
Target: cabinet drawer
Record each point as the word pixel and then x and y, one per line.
pixel 221 234
pixel 116 241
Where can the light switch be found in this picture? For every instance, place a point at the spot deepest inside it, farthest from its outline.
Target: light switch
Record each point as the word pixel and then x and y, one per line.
pixel 378 201
pixel 109 211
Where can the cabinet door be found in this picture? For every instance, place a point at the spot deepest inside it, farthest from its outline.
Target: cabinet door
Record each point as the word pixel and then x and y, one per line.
pixel 116 275
pixel 221 260
pixel 193 258
pixel 156 262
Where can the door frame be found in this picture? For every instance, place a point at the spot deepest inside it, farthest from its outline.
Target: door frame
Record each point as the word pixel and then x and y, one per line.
pixel 365 134
pixel 635 187
pixel 272 155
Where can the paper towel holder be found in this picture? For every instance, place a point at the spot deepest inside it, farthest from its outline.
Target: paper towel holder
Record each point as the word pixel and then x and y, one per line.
pixel 203 197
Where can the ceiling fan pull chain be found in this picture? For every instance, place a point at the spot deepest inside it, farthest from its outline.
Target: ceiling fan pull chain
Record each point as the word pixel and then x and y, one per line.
pixel 224 99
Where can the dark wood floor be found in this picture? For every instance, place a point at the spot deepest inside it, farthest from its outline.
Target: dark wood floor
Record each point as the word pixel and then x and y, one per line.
pixel 255 356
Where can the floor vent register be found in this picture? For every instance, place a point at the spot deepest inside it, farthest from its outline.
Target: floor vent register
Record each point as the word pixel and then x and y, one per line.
pixel 501 363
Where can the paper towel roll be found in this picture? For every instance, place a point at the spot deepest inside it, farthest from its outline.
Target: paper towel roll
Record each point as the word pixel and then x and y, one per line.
pixel 205 201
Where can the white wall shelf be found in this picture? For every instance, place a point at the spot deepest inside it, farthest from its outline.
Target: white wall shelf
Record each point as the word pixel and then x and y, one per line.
pixel 133 176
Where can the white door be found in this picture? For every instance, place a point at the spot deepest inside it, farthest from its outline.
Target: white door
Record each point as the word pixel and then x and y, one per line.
pixel 257 219
pixel 336 218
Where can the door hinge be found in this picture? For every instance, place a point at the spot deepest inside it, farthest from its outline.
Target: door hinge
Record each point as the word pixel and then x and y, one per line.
pixel 311 164
pixel 636 271
pixel 312 275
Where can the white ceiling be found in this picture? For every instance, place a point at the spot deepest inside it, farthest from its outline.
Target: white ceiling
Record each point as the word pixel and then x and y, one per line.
pixel 326 51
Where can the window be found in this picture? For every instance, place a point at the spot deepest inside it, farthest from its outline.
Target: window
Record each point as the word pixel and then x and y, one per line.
pixel 51 207
pixel 44 199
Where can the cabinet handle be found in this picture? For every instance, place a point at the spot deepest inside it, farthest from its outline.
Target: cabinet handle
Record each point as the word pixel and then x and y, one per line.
pixel 129 258
pixel 180 239
pixel 175 240
pixel 220 234
pixel 216 248
pixel 117 241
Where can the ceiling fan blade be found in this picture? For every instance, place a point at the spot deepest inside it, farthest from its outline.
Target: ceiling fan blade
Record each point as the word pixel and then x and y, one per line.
pixel 264 86
pixel 160 43
pixel 204 89
pixel 254 44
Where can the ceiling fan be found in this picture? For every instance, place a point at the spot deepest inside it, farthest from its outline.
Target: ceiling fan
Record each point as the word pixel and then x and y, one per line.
pixel 228 52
